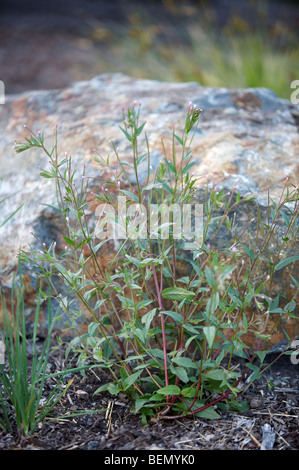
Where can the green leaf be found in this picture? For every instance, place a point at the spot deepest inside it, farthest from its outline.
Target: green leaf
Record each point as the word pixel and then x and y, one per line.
pixel 144 303
pixel 169 390
pixel 141 335
pixel 177 293
pixel 185 279
pixel 184 362
pixel 156 352
pixel 290 307
pixel 210 333
pixel 209 277
pixel 141 158
pixel 189 392
pixel 136 261
pixel 69 241
pixel 216 374
pixel 130 194
pixel 126 134
pixel 147 261
pixel 208 413
pixel 170 166
pixel 99 303
pixel 241 407
pixel 148 318
pixel 285 262
pixel 176 316
pixel 46 174
pixel 139 130
pixel 179 139
pixel 111 387
pixel 247 251
pixel 213 303
pixel 129 381
pixel 191 329
pixel 139 403
pixel 181 373
pixel 188 167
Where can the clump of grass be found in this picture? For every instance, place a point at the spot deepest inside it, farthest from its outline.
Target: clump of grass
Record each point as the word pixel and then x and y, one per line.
pixel 174 342
pixel 22 385
pixel 24 404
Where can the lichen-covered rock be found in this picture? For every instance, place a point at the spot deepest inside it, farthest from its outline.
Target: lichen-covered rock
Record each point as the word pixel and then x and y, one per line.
pixel 245 137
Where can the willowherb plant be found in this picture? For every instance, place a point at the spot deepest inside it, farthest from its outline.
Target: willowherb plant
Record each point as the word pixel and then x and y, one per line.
pixel 167 326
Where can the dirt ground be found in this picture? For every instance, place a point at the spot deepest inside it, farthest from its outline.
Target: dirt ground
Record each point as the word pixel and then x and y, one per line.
pixel 41 51
pixel 116 428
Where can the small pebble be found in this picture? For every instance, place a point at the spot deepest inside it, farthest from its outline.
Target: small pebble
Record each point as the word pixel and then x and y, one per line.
pixel 255 402
pixel 92 445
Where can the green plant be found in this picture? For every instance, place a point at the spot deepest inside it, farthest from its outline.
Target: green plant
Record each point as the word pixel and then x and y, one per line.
pixel 173 339
pixel 22 381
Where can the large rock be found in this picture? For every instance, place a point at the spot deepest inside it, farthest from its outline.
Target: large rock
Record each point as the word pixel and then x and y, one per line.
pixel 245 137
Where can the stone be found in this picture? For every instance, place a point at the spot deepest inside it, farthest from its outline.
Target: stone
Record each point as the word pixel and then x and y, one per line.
pixel 246 137
pixel 269 437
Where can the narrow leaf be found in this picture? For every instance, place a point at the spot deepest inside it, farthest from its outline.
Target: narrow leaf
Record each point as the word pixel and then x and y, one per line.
pixel 285 262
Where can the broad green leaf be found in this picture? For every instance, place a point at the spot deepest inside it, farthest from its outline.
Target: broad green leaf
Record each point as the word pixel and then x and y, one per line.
pixel 191 329
pixel 213 303
pixel 209 332
pixel 290 307
pixel 169 390
pixel 111 387
pixel 176 316
pixel 181 373
pixel 177 293
pixel 189 392
pixel 185 279
pixel 184 362
pixel 209 277
pixel 136 261
pixel 156 352
pixel 216 374
pixel 129 381
pixel 141 335
pixel 148 318
pixel 139 403
pixel 208 413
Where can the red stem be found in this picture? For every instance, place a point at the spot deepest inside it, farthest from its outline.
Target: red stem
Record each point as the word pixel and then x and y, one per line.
pixel 163 326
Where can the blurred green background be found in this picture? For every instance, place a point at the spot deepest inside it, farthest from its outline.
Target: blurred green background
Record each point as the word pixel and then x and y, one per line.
pixel 224 43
